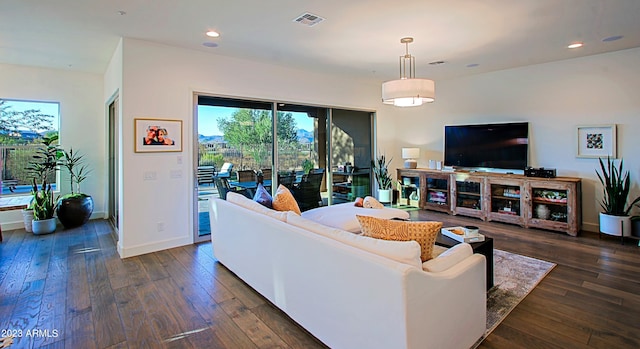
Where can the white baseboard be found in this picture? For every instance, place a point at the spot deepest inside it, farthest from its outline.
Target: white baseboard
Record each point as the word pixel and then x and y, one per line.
pixel 152 247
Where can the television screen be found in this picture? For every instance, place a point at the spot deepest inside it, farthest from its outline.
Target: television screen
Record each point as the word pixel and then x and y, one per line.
pixel 500 146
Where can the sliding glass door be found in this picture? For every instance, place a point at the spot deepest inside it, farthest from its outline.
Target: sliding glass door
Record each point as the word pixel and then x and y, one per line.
pixel 322 155
pixel 235 142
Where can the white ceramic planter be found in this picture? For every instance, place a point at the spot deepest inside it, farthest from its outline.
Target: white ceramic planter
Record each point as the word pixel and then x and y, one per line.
pixel 615 225
pixel 44 226
pixel 385 196
pixel 27 216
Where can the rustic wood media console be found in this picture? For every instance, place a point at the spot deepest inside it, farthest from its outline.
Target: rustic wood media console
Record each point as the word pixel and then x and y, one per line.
pixel 531 202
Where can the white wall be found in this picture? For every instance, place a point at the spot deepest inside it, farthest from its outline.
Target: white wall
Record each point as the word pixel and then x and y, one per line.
pixel 159 82
pixel 81 120
pixel 554 98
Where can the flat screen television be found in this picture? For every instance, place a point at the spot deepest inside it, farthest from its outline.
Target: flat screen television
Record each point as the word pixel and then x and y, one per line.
pixel 499 146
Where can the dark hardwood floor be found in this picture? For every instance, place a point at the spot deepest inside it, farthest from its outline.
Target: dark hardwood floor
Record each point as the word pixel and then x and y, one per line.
pixel 71 290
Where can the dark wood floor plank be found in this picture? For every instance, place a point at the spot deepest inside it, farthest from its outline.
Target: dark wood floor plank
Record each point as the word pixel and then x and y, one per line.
pixel 79 331
pixel 138 330
pixel 25 314
pixel 290 332
pixel 250 324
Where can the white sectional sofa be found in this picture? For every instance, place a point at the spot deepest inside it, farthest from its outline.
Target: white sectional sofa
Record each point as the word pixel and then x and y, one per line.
pixel 351 291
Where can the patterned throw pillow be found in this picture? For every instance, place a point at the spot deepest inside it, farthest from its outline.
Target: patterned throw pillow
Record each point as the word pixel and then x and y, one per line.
pixel 371 202
pixel 284 200
pixel 423 232
pixel 263 197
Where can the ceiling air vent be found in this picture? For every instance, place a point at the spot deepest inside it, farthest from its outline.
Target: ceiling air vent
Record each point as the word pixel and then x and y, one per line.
pixel 308 19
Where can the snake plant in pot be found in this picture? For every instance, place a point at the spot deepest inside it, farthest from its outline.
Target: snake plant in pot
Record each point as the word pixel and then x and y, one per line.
pixel 43 209
pixel 615 219
pixel 74 209
pixel 42 169
pixel 381 173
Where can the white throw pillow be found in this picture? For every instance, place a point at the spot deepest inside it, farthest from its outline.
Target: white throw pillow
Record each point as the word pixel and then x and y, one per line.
pixel 371 202
pixel 343 216
pixel 448 258
pixel 407 252
pixel 249 204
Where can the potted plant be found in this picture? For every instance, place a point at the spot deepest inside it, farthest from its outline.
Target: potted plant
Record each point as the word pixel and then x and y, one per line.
pixel 380 168
pixel 44 163
pixel 615 220
pixel 43 209
pixel 74 209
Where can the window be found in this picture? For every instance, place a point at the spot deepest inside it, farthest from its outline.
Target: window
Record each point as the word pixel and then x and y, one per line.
pixel 23 124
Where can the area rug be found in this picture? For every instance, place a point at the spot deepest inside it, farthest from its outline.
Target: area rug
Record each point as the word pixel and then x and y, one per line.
pixel 514 277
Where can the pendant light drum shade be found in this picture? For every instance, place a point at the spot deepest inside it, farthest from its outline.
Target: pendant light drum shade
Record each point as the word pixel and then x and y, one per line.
pixel 408 92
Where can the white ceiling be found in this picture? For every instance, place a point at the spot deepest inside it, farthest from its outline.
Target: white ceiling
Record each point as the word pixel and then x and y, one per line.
pixel 358 38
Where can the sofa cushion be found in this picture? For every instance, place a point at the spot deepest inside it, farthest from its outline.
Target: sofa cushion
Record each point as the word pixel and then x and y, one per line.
pixel 343 216
pixel 448 258
pixel 407 252
pixel 247 203
pixel 284 200
pixel 423 232
pixel 263 197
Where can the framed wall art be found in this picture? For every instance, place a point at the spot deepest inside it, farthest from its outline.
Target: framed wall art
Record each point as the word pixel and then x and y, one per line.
pixel 596 141
pixel 157 135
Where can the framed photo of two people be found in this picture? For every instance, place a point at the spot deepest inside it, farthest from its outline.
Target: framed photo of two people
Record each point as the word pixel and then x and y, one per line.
pixel 157 135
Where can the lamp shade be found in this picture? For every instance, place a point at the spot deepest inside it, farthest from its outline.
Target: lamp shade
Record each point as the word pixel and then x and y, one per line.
pixel 408 92
pixel 410 153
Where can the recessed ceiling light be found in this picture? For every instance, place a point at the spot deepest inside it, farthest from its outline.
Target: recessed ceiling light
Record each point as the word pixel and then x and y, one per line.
pixel 213 34
pixel 612 38
pixel 575 45
pixel 209 44
pixel 437 62
pixel 472 65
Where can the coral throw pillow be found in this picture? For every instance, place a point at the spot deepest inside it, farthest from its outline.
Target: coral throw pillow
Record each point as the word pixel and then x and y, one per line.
pixel 284 200
pixel 263 197
pixel 424 233
pixel 358 202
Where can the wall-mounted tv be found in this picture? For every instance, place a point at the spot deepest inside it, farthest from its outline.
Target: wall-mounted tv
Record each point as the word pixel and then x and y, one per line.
pixel 500 146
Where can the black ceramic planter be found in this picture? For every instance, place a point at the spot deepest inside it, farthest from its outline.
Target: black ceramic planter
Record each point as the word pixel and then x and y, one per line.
pixel 74 211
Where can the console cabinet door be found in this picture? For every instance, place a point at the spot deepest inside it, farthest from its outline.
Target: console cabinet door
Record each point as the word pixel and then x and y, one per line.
pixel 505 200
pixel 467 195
pixel 552 205
pixel 437 191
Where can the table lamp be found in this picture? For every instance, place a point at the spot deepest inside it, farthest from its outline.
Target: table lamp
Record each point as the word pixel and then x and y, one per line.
pixel 410 155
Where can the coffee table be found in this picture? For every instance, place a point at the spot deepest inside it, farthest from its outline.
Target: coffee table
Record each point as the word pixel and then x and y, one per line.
pixel 483 247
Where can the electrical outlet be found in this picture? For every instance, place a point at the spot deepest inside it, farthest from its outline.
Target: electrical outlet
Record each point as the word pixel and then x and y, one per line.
pixel 160 226
pixel 150 175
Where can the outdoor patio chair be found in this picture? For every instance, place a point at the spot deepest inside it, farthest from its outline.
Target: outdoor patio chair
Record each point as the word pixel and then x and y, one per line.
pixel 225 170
pixel 307 193
pixel 224 187
pixel 205 174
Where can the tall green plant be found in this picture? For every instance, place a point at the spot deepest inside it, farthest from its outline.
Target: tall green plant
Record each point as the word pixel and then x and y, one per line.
pixel 78 171
pixel 380 168
pixel 43 203
pixel 45 160
pixel 616 184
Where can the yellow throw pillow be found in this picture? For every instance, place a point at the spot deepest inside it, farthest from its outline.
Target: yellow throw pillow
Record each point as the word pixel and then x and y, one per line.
pixel 284 200
pixel 423 232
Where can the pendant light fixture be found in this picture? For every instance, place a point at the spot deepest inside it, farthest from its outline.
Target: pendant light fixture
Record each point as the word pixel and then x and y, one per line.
pixel 408 91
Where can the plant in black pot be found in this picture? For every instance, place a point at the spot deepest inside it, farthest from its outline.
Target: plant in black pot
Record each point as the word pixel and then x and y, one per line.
pixel 74 209
pixel 43 209
pixel 615 219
